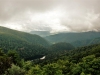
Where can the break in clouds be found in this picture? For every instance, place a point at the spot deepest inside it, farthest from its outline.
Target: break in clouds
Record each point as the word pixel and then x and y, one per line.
pixel 51 15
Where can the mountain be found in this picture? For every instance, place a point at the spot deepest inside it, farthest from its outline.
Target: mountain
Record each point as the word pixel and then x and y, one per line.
pixel 95 41
pixel 81 43
pixel 41 33
pixel 27 45
pixel 72 37
pixel 61 46
pixel 60 58
pixel 33 39
pixel 80 61
pixel 86 42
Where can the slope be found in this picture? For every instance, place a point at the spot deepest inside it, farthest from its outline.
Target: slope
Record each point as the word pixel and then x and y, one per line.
pixel 71 37
pixel 27 45
pixel 34 39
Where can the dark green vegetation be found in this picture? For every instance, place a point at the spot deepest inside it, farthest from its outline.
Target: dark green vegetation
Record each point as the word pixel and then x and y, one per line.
pixel 61 46
pixel 27 45
pixel 81 61
pixel 22 36
pixel 76 39
pixel 20 53
pixel 86 42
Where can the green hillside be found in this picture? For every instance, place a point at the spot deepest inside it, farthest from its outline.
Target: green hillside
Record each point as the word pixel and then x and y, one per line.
pixel 80 61
pixel 60 58
pixel 72 37
pixel 95 41
pixel 27 45
pixel 33 39
pixel 86 42
pixel 81 43
pixel 61 46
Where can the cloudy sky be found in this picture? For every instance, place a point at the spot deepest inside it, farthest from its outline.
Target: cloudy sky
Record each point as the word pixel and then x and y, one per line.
pixel 52 15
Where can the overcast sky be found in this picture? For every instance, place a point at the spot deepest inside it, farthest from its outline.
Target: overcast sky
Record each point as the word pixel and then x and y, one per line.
pixel 52 15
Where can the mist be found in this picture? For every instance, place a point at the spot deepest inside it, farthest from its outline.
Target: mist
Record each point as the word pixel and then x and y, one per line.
pixel 50 15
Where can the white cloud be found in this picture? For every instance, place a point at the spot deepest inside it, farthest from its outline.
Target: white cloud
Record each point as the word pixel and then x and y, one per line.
pixel 52 15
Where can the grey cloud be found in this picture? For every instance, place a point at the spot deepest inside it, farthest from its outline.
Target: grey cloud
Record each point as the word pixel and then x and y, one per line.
pixel 86 22
pixel 9 8
pixel 75 14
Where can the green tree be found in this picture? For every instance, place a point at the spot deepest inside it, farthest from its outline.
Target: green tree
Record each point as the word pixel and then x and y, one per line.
pixel 89 66
pixel 15 70
pixel 35 70
pixel 5 62
pixel 14 56
pixel 52 69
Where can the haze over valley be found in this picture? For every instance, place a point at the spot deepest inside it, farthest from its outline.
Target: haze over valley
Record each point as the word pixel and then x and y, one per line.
pixel 49 37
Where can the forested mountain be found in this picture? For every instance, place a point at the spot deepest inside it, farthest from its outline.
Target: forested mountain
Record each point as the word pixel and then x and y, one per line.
pixel 21 52
pixel 95 41
pixel 61 46
pixel 86 42
pixel 80 61
pixel 33 39
pixel 72 37
pixel 27 45
pixel 81 43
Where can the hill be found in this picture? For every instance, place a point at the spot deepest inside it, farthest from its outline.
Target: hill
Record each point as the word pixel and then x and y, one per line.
pixel 76 39
pixel 80 61
pixel 95 41
pixel 86 42
pixel 27 45
pixel 61 46
pixel 33 39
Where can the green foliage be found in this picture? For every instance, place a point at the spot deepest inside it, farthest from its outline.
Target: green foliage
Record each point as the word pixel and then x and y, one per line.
pixel 87 63
pixel 5 62
pixel 22 36
pixel 60 59
pixel 27 45
pixel 35 71
pixel 62 46
pixel 15 70
pixel 27 65
pixel 14 56
pixel 88 66
pixel 52 69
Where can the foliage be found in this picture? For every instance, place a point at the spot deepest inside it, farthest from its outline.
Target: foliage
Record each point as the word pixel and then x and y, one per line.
pixel 15 70
pixel 61 46
pixel 5 62
pixel 60 58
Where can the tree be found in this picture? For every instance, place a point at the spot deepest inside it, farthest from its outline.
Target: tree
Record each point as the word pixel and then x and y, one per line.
pixel 35 70
pixel 88 66
pixel 5 62
pixel 52 69
pixel 14 56
pixel 15 70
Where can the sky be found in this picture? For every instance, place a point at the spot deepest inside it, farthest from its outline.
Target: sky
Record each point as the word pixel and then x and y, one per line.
pixel 50 15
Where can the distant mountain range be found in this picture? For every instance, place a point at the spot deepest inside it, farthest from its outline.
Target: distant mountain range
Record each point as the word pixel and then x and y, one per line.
pixel 76 39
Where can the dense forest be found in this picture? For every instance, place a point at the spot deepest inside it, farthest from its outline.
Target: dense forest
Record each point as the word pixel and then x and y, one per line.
pixel 76 39
pixel 27 45
pixel 80 61
pixel 27 54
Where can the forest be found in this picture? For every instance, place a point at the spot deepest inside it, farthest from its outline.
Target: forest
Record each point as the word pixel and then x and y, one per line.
pixel 20 54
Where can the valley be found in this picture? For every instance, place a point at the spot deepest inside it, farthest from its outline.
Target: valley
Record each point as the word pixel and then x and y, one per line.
pixel 23 50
